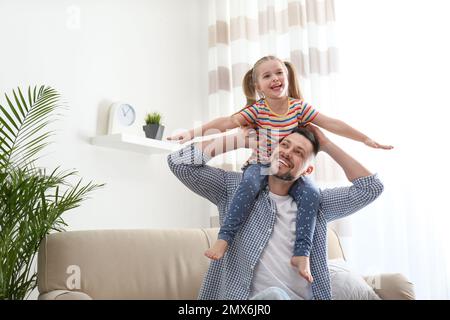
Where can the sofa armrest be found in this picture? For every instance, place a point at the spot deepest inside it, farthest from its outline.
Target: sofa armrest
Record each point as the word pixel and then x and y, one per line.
pixel 64 295
pixel 391 286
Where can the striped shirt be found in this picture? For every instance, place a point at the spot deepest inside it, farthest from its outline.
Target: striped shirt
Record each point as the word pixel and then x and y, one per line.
pixel 272 127
pixel 231 277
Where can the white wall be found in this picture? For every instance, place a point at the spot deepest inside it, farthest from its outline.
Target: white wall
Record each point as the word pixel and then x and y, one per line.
pixel 150 53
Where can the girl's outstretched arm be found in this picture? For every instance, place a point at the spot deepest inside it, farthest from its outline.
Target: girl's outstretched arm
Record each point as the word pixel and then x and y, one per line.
pixel 213 127
pixel 341 128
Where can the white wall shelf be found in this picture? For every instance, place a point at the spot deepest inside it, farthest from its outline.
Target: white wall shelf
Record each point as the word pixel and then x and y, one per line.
pixel 134 143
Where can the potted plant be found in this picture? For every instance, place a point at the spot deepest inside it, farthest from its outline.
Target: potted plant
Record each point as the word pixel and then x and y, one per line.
pixel 32 199
pixel 153 128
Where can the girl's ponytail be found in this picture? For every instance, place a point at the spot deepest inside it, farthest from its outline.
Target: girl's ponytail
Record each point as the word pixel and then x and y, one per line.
pixel 294 87
pixel 248 85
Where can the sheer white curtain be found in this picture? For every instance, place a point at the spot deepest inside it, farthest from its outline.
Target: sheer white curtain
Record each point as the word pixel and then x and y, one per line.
pixel 393 85
pixel 241 32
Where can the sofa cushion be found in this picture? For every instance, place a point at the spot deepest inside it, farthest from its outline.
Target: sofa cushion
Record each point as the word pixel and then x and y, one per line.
pixel 130 264
pixel 347 284
pixel 125 264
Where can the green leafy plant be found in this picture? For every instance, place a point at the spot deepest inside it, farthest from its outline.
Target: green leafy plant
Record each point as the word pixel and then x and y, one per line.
pixel 32 199
pixel 153 118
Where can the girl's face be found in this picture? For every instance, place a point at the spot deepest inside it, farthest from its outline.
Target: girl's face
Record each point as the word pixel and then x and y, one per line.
pixel 271 79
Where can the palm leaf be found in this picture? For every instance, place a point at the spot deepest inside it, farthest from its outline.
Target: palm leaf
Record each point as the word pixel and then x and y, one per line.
pixel 31 201
pixel 21 123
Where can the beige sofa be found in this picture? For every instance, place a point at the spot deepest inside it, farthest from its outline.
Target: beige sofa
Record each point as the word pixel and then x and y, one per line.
pixel 146 264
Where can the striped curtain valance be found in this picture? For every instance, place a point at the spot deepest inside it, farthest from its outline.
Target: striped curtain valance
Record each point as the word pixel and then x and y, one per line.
pixel 316 61
pixel 297 31
pixel 297 14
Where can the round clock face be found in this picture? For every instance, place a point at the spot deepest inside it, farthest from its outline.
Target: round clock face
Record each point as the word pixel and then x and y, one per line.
pixel 126 114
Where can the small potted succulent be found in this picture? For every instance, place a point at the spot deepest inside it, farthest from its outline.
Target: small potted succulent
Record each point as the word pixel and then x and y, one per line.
pixel 153 128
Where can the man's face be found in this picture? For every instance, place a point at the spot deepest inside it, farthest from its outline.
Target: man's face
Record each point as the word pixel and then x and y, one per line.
pixel 291 158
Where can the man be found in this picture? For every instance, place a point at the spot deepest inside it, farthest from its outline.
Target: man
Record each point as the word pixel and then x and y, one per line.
pixel 259 257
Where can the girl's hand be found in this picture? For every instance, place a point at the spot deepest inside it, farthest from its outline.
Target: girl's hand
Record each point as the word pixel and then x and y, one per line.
pixel 369 142
pixel 182 137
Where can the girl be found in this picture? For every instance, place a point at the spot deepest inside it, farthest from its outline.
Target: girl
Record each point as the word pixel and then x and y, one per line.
pixel 277 111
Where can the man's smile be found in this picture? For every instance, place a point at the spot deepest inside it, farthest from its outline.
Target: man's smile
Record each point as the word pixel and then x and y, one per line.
pixel 284 161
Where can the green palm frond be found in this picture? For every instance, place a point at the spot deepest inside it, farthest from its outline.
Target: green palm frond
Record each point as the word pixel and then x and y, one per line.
pixel 32 200
pixel 21 125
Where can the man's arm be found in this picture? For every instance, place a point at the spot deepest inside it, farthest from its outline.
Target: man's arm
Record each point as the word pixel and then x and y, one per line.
pixel 352 168
pixel 189 166
pixel 337 203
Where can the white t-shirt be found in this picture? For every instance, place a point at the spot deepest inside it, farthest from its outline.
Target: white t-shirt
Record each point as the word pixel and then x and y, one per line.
pixel 274 268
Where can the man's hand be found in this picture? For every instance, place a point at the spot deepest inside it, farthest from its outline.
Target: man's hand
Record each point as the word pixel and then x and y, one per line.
pixel 182 137
pixel 320 136
pixel 352 168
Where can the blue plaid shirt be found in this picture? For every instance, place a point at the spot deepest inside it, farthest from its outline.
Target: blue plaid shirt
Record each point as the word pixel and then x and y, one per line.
pixel 231 276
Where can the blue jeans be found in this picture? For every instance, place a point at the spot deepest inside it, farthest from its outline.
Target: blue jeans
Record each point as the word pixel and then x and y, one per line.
pixel 304 192
pixel 307 198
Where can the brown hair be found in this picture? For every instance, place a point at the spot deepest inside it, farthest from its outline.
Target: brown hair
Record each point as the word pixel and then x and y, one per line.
pixel 249 81
pixel 309 136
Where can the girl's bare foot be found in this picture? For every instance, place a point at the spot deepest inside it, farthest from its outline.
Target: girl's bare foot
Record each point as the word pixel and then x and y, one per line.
pixel 302 264
pixel 217 250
